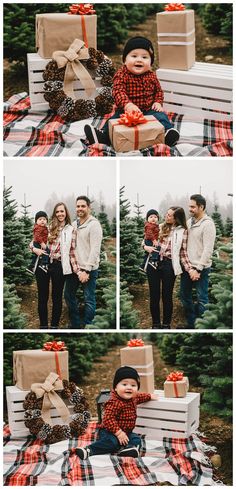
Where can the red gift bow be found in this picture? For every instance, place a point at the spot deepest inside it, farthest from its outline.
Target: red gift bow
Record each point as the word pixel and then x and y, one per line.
pixel 54 346
pixel 132 118
pixel 81 9
pixel 174 7
pixel 175 376
pixel 135 342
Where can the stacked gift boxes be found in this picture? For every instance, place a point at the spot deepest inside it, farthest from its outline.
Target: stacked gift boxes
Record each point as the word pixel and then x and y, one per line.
pixel 30 367
pixel 176 39
pixel 140 358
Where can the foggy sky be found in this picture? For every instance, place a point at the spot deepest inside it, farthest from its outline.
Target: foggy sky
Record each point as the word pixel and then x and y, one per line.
pixel 153 178
pixel 39 179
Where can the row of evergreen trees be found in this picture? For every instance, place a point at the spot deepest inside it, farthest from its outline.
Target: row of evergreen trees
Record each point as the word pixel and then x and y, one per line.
pixel 219 313
pixel 207 360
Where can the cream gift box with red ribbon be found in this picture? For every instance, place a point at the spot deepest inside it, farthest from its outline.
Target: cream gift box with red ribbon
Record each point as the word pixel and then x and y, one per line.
pixel 176 385
pixel 128 136
pixel 140 358
pixel 33 366
pixel 176 39
pixel 57 31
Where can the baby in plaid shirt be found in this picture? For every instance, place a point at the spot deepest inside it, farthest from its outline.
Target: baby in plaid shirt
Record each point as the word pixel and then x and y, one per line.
pixel 151 235
pixel 119 417
pixel 40 237
pixel 136 88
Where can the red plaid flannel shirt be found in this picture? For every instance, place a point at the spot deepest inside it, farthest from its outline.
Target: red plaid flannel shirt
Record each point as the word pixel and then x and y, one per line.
pixel 166 250
pixel 121 414
pixel 40 233
pixel 141 90
pixel 151 231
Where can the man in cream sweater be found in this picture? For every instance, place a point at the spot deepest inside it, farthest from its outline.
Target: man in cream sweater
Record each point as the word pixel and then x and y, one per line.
pixel 201 240
pixel 84 258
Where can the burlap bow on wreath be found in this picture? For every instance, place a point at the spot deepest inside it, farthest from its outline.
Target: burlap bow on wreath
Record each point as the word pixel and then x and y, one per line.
pixel 74 68
pixel 50 397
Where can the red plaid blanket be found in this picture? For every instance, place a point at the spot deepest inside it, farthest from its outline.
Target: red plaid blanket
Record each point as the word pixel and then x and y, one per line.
pixel 28 133
pixel 28 462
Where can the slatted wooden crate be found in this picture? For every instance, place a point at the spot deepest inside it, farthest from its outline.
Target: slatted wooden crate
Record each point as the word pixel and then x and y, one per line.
pixel 36 67
pixel 15 398
pixel 203 92
pixel 169 417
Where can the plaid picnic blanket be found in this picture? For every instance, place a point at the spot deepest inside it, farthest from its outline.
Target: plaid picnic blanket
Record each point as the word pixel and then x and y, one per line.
pixel 28 462
pixel 29 133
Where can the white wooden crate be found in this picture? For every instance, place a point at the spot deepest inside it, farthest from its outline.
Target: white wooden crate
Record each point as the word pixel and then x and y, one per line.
pixel 15 399
pixel 203 92
pixel 169 417
pixel 36 67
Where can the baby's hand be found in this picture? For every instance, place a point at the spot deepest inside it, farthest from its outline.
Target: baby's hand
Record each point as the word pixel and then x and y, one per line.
pixel 155 242
pixel 154 397
pixel 158 107
pixel 43 246
pixel 122 437
pixel 130 107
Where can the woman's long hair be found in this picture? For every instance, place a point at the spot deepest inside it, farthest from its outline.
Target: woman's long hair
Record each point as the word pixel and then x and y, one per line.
pixel 180 220
pixel 54 228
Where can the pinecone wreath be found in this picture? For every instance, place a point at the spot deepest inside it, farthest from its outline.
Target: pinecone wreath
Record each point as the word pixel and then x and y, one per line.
pixel 74 110
pixel 52 434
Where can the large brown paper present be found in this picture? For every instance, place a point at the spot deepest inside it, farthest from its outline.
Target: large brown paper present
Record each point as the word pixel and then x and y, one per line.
pixel 176 39
pixel 125 138
pixel 176 389
pixel 56 32
pixel 33 366
pixel 140 358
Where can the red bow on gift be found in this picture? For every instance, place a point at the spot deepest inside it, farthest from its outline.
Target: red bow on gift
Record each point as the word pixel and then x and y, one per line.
pixel 175 376
pixel 81 9
pixel 135 342
pixel 132 118
pixel 54 346
pixel 173 7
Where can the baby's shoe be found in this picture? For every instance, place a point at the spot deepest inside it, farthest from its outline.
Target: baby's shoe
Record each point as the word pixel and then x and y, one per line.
pixel 171 136
pixel 44 268
pixel 93 135
pixel 129 452
pixel 82 453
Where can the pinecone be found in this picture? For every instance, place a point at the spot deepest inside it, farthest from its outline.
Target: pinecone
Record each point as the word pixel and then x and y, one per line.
pixel 66 393
pixel 91 108
pixel 34 425
pixel 92 64
pixel 53 86
pixel 75 428
pixel 92 52
pixel 31 396
pixel 107 81
pixel 66 431
pixel 106 92
pixel 45 431
pixel 32 413
pixel 99 56
pixel 66 107
pixel 49 73
pixel 72 385
pixel 104 67
pixel 60 74
pixel 86 416
pixel 76 396
pixel 103 105
pixel 78 417
pixel 79 408
pixel 65 383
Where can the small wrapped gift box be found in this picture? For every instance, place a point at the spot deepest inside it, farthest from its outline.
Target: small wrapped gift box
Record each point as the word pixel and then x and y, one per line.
pixel 140 358
pixel 135 137
pixel 56 32
pixel 33 366
pixel 176 385
pixel 176 39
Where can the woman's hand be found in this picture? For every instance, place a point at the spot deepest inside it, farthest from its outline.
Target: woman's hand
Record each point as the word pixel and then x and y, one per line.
pixel 194 275
pixel 122 437
pixel 83 276
pixel 38 251
pixel 149 249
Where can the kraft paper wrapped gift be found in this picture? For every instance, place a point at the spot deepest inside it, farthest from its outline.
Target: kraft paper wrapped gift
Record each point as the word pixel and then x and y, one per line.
pixel 125 138
pixel 176 389
pixel 176 39
pixel 140 358
pixel 33 366
pixel 56 32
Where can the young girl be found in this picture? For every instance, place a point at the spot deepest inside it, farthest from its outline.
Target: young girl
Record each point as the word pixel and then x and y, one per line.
pixel 59 239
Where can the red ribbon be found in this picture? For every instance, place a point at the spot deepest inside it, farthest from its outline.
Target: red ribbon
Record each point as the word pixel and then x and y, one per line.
pixel 174 7
pixel 81 9
pixel 175 377
pixel 132 119
pixel 135 342
pixel 54 346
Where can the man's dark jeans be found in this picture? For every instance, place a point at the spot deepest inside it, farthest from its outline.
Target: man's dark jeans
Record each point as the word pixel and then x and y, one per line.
pixel 109 443
pixel 89 289
pixel 194 310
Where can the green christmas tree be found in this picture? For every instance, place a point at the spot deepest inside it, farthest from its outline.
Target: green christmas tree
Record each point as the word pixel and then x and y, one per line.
pixel 228 227
pixel 26 220
pixel 12 317
pixel 15 243
pixel 219 313
pixel 128 315
pixel 104 221
pixel 216 216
